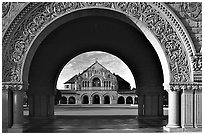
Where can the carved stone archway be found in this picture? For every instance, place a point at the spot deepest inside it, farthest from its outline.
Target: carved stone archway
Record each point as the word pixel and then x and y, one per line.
pixel 158 23
pixel 158 20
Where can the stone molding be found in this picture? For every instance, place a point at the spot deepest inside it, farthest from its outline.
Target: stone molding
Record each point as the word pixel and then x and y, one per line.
pixel 191 87
pixel 14 86
pixel 37 16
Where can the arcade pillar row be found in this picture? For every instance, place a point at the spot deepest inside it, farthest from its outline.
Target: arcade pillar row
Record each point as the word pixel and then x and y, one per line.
pixel 185 106
pixel 12 106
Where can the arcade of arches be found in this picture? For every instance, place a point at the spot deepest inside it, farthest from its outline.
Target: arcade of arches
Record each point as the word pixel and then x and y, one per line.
pixel 160 43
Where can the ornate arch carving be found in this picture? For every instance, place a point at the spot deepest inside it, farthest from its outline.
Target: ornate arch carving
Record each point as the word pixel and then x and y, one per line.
pixel 35 17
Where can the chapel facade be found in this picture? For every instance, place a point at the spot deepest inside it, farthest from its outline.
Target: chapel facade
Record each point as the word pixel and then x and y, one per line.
pixel 97 85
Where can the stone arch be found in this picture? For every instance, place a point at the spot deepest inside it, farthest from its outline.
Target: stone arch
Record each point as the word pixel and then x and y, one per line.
pixel 107 99
pixel 96 82
pixel 72 100
pixel 153 21
pixel 166 34
pixel 121 100
pixel 129 100
pixel 63 100
pixel 96 99
pixel 85 99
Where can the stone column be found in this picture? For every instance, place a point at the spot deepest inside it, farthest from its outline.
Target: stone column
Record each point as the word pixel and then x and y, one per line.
pixel 17 89
pixel 174 108
pixel 41 105
pixel 7 110
pixel 198 107
pixel 140 105
pixel 187 106
pixel 17 108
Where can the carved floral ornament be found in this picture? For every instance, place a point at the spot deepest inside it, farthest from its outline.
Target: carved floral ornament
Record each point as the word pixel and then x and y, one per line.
pixel 19 86
pixel 192 10
pixel 197 63
pixel 185 86
pixel 44 13
pixel 5 8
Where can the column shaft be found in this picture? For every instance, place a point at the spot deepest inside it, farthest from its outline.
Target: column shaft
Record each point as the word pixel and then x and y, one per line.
pixel 174 110
pixel 140 105
pixel 17 108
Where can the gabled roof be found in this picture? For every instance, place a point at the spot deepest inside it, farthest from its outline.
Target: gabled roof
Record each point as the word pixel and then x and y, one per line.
pixel 96 62
pixel 72 80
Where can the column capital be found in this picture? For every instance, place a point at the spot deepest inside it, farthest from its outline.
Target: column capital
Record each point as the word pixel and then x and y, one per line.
pixel 190 87
pixel 14 86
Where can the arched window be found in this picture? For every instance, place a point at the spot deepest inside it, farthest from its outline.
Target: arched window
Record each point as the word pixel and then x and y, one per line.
pixel 85 100
pixel 96 82
pixel 121 100
pixel 129 100
pixel 72 100
pixel 106 99
pixel 96 99
pixel 63 100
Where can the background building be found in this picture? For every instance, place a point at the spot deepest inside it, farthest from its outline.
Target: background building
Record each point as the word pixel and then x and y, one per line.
pixel 97 85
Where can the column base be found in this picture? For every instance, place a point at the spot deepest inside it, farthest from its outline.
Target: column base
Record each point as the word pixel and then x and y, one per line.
pixel 16 129
pixel 173 128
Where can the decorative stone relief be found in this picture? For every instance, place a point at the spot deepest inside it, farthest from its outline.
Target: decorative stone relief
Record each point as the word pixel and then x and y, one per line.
pixel 197 63
pixel 9 11
pixel 185 86
pixel 5 8
pixel 12 86
pixel 192 10
pixel 190 14
pixel 44 13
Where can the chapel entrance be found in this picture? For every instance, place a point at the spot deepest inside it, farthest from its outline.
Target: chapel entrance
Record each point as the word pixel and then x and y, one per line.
pixel 96 99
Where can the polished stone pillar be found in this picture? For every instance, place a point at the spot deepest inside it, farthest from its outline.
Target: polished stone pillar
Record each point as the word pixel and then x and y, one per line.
pixel 174 108
pixel 17 89
pixel 41 105
pixel 7 110
pixel 141 105
pixel 17 108
pixel 198 107
pixel 187 103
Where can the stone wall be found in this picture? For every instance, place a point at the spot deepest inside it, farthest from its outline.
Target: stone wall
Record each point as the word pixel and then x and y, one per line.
pixel 190 14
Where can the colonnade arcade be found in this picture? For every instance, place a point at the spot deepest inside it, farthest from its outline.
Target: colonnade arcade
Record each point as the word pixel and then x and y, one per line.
pixel 180 63
pixel 98 99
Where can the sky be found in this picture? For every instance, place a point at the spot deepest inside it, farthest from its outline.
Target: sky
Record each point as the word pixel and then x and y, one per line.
pixel 81 62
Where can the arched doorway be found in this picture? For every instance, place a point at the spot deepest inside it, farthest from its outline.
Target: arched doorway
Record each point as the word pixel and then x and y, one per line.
pixel 72 100
pixel 46 84
pixel 96 82
pixel 96 99
pixel 114 29
pixel 63 100
pixel 107 99
pixel 129 100
pixel 85 99
pixel 121 100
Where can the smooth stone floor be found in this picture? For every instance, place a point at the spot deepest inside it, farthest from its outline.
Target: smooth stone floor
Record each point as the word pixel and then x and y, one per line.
pixel 93 124
pixel 93 119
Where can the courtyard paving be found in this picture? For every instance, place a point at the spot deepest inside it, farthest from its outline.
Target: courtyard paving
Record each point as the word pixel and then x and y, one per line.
pixel 93 119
